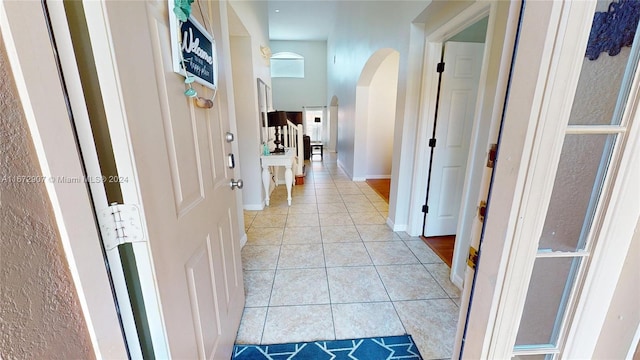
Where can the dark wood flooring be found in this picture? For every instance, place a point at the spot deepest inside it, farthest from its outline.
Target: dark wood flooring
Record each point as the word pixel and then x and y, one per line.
pixel 442 246
pixel 381 186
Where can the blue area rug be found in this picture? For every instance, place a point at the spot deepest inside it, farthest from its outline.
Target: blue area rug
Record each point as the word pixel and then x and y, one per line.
pixel 378 348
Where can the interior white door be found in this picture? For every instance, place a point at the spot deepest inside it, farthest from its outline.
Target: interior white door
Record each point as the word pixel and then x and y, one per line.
pixel 172 159
pixel 458 93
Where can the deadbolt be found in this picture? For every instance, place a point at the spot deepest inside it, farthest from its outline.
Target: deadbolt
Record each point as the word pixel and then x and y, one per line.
pixel 229 137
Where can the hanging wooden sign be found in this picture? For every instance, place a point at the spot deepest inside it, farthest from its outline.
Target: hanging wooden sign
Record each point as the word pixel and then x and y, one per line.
pixel 193 50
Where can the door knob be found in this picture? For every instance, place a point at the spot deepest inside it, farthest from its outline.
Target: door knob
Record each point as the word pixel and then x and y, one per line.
pixel 236 184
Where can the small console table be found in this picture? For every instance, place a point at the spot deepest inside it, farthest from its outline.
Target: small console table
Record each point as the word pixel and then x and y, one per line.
pixel 285 159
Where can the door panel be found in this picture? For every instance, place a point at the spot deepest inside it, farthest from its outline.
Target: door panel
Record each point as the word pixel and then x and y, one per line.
pixel 174 153
pixel 458 92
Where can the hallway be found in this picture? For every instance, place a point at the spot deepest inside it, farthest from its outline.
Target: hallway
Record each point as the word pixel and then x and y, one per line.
pixel 329 267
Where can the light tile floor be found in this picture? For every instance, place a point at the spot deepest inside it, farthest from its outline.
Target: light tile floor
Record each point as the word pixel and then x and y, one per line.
pixel 329 267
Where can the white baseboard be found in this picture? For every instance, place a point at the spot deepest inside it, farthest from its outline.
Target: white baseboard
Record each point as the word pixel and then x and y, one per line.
pixel 361 179
pixel 396 227
pixel 243 240
pixel 456 280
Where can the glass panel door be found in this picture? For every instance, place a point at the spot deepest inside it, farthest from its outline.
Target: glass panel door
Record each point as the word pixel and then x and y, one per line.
pixel 591 146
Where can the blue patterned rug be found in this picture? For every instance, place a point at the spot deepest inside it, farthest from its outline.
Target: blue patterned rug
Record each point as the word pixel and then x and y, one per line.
pixel 378 348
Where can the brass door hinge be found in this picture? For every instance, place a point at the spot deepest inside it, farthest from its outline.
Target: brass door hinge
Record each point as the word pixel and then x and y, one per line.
pixel 482 210
pixel 472 260
pixel 491 157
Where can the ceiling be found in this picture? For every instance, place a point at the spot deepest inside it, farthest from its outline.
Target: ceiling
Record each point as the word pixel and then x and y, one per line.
pixel 301 19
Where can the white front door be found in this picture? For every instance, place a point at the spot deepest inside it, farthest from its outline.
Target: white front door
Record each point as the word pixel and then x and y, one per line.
pixel 458 93
pixel 171 158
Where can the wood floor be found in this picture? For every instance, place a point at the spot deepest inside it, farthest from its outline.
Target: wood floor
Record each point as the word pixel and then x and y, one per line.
pixel 442 246
pixel 381 186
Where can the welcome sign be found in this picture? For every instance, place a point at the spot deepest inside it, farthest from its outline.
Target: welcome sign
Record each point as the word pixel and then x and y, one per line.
pixel 196 50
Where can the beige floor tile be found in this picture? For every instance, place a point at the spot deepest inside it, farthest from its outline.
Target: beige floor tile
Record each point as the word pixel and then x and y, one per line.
pixel 302 220
pixel 298 324
pixel 306 235
pixel 432 324
pixel 355 284
pixel 323 180
pixel 376 232
pixel 360 207
pixel 251 326
pixel 409 282
pixel 257 287
pixel 366 320
pixel 300 287
pixel 262 257
pixel 264 236
pixel 346 254
pixel 325 186
pixel 269 220
pixel 327 191
pixel 301 256
pixel 381 206
pixel 335 219
pixel 390 253
pixel 303 199
pixel 281 208
pixel 349 191
pixel 352 199
pixel 367 218
pixel 375 197
pixel 328 199
pixel 423 252
pixel 441 273
pixel 340 234
pixel 303 209
pixel 332 208
pixel 404 236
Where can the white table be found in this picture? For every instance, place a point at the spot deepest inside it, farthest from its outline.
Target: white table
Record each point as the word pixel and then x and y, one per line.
pixel 285 159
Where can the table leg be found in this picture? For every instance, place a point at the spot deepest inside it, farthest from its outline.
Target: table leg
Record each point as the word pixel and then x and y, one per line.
pixel 266 182
pixel 288 180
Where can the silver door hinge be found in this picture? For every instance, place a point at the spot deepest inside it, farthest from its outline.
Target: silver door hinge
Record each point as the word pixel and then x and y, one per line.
pixel 120 224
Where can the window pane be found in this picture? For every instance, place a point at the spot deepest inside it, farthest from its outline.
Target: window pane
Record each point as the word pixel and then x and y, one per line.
pixel 292 68
pixel 583 164
pixel 549 289
pixel 605 79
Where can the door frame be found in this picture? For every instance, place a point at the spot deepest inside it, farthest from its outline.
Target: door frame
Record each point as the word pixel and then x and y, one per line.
pixel 24 28
pixel 496 63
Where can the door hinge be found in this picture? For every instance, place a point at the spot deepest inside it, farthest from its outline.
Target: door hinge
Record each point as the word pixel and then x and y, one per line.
pixel 425 209
pixel 432 142
pixel 491 158
pixel 482 210
pixel 120 224
pixel 472 260
pixel 440 67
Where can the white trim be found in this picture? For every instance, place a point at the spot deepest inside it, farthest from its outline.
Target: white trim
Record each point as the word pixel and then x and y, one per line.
pixel 374 177
pixel 635 343
pixel 107 69
pixel 92 165
pixel 23 29
pixel 616 233
pixel 243 240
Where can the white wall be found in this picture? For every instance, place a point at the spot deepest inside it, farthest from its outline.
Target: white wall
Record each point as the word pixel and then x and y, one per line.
pixel 249 29
pixel 291 94
pixel 363 28
pixel 381 119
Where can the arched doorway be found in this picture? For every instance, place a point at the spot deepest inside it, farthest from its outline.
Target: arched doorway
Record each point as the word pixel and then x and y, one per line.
pixel 376 95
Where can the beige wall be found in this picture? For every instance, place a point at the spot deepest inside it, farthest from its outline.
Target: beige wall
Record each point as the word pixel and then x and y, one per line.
pixel 39 307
